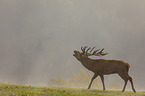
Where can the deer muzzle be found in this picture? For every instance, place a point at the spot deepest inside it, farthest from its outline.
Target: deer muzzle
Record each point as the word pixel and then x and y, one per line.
pixel 75 52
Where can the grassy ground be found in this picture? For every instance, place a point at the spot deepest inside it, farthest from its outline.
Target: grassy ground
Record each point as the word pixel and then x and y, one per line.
pixel 21 90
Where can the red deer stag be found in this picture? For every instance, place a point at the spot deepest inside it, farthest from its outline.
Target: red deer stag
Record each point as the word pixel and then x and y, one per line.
pixel 103 67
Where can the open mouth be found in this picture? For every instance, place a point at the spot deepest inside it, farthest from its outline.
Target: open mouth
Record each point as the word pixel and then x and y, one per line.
pixel 74 53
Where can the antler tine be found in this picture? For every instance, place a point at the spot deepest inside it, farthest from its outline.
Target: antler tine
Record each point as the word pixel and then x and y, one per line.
pixel 94 53
pixel 83 49
pixel 88 49
pixel 104 54
pixel 101 53
pixel 92 49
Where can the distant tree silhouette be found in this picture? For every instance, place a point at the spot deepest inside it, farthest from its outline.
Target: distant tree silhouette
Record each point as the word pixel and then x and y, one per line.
pixel 80 80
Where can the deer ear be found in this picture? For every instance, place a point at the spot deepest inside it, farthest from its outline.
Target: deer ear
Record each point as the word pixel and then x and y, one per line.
pixel 83 55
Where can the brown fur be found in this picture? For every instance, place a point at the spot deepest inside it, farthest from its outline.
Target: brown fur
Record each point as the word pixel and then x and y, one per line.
pixel 103 67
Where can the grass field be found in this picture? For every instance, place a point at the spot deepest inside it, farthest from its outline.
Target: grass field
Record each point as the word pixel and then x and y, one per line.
pixel 21 90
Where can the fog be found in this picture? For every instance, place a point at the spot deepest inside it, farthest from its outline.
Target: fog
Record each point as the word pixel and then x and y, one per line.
pixel 37 37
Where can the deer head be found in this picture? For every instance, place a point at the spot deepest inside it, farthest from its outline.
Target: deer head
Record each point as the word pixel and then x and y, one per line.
pixel 78 55
pixel 84 53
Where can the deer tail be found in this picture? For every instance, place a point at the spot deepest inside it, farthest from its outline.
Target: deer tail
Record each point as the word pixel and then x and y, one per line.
pixel 128 66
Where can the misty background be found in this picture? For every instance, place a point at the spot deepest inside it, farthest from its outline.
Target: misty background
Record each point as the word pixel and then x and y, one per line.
pixel 37 37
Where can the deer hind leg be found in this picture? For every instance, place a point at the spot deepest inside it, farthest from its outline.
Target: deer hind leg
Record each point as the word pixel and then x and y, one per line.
pixel 125 78
pixel 102 79
pixel 130 79
pixel 95 75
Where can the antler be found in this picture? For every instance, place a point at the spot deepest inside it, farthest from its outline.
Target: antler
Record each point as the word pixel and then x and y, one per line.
pixel 96 53
pixel 83 49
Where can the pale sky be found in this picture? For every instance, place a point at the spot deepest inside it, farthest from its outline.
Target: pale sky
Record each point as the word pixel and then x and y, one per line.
pixel 37 37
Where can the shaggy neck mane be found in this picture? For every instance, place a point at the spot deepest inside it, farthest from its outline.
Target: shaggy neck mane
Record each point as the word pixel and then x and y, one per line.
pixel 87 63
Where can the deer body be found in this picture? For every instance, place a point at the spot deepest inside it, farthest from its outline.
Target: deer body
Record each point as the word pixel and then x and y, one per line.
pixel 109 66
pixel 103 67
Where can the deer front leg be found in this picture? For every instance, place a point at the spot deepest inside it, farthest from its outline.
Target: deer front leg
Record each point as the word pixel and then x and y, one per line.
pixel 102 79
pixel 124 85
pixel 95 75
